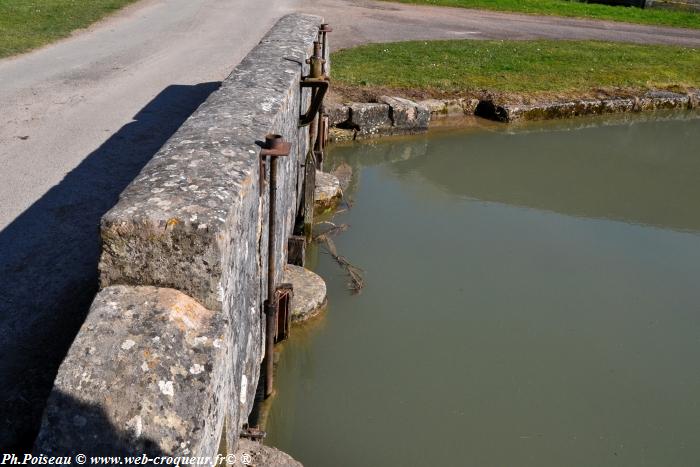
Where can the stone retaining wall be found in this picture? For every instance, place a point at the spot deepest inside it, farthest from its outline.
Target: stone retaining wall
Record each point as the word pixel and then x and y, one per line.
pixel 172 346
pixel 395 115
pixel 651 101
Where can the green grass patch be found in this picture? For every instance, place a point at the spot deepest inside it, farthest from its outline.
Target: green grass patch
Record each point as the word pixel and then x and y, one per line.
pixel 27 24
pixel 573 8
pixel 523 68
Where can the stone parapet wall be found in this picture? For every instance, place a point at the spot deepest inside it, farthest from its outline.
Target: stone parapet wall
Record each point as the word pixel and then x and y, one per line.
pixel 172 346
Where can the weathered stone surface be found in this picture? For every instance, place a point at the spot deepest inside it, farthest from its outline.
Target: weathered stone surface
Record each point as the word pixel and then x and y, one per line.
pixel 174 225
pixel 656 100
pixel 262 456
pixel 469 105
pixel 144 375
pixel 369 118
pixel 309 292
pixel 337 113
pixel 450 107
pixel 435 106
pixel 194 220
pixel 337 135
pixel 406 114
pixel 327 193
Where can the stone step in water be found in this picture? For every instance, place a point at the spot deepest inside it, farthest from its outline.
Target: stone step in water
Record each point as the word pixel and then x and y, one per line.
pixel 309 292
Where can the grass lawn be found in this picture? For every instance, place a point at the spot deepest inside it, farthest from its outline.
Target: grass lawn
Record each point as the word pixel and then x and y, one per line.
pixel 518 68
pixel 26 24
pixel 683 19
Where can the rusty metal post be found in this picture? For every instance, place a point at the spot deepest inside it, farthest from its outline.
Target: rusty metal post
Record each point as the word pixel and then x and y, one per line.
pixel 275 146
pixel 309 186
pixel 323 30
pixel 317 82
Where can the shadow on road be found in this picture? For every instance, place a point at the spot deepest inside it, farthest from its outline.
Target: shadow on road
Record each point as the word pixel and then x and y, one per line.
pixel 49 255
pixel 89 431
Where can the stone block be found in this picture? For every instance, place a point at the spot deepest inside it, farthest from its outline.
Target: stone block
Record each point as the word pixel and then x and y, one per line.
pixel 406 114
pixel 146 374
pixel 309 292
pixel 659 100
pixel 327 193
pixel 337 135
pixel 369 118
pixel 434 106
pixel 337 113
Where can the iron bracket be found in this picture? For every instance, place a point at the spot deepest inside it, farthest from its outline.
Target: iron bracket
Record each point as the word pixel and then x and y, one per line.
pixel 273 146
pixel 253 433
pixel 319 87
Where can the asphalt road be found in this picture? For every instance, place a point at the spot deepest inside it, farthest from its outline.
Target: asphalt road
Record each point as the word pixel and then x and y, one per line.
pixel 359 22
pixel 81 117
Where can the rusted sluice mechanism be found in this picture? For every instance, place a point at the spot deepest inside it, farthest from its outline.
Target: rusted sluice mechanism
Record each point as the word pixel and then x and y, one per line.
pixel 317 81
pixel 277 307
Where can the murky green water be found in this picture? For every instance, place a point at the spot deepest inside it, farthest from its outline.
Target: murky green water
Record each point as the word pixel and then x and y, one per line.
pixel 532 299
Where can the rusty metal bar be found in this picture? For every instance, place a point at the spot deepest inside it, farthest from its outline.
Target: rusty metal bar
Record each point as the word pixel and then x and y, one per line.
pixel 319 87
pixel 322 31
pixel 275 146
pixel 253 433
pixel 317 82
pixel 309 186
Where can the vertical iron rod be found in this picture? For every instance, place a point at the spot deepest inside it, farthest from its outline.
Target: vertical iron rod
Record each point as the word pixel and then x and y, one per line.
pixel 270 305
pixel 275 146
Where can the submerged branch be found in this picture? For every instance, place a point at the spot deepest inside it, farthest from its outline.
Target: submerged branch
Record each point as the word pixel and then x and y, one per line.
pixel 333 230
pixel 356 282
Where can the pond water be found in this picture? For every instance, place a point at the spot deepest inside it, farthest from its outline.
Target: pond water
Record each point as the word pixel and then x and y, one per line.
pixel 532 299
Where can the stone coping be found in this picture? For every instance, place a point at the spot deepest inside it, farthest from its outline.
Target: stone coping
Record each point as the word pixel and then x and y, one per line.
pixel 171 349
pixel 144 375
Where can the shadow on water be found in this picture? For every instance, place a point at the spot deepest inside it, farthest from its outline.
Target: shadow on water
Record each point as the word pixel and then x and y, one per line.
pixel 48 272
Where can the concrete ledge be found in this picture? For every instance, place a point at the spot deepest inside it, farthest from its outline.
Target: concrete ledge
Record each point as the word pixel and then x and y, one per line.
pixel 144 375
pixel 309 292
